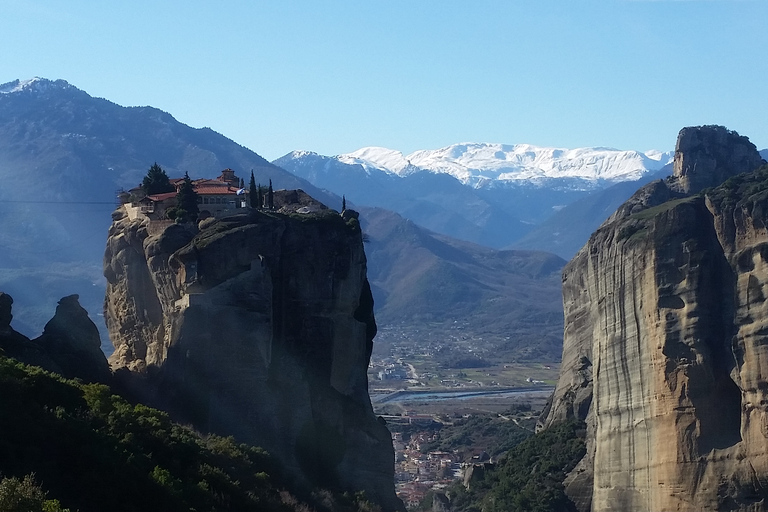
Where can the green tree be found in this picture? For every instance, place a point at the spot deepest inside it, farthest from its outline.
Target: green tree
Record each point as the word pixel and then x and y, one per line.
pixel 156 181
pixel 343 202
pixel 253 193
pixel 271 196
pixel 186 200
pixel 25 496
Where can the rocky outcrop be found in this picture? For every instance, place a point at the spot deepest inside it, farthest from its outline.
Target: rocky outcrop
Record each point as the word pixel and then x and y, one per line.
pixel 664 340
pixel 259 326
pixel 706 156
pixel 69 346
pixel 16 345
pixel 72 340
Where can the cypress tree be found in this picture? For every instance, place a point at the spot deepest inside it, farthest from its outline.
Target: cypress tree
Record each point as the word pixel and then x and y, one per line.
pixel 271 196
pixel 343 202
pixel 253 194
pixel 186 199
pixel 156 181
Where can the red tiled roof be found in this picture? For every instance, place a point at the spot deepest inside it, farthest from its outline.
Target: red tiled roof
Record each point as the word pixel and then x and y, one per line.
pixel 163 196
pixel 203 186
pixel 211 190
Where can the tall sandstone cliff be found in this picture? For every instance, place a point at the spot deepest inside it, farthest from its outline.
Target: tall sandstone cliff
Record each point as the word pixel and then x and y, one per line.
pixel 259 326
pixel 665 350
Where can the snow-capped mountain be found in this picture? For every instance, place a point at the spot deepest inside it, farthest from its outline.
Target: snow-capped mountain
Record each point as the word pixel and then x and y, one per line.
pixel 483 164
pixel 492 194
pixel 35 83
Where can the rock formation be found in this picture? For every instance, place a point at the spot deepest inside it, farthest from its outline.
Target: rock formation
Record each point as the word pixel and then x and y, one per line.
pixel 69 346
pixel 259 325
pixel 72 340
pixel 664 342
pixel 705 156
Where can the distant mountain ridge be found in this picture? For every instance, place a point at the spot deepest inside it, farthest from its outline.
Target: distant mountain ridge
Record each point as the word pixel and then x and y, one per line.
pixel 484 164
pixel 489 194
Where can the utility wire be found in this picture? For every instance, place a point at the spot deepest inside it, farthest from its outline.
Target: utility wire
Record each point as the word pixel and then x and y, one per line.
pixel 113 203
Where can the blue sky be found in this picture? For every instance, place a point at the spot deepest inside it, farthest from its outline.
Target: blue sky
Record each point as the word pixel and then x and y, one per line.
pixel 334 76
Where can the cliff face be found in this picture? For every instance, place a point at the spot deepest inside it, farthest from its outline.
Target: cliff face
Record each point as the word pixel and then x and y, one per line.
pixel 258 326
pixel 664 350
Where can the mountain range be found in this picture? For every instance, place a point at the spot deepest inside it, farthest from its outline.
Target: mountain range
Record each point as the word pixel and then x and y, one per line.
pixel 490 194
pixel 64 154
pixel 487 165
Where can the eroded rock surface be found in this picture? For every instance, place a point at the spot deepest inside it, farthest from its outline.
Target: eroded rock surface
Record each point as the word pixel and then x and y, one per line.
pixel 260 326
pixel 665 340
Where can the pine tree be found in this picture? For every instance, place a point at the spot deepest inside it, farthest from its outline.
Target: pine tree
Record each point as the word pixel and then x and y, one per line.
pixel 271 196
pixel 186 199
pixel 253 193
pixel 156 181
pixel 242 184
pixel 343 202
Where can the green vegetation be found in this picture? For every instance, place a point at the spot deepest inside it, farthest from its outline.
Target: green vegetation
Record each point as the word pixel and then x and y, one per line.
pixel 254 194
pixel 530 477
pixel 494 434
pixel 186 201
pixel 632 230
pixel 156 181
pixel 94 451
pixel 25 495
pixel 656 210
pixel 746 189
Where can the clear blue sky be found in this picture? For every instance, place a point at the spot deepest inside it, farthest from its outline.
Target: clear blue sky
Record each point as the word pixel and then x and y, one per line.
pixel 333 76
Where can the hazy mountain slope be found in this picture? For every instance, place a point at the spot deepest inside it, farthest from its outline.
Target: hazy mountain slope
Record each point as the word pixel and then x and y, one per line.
pixel 565 232
pixel 426 281
pixel 63 154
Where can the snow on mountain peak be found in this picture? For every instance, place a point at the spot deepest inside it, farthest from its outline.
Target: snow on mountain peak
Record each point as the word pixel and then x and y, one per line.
pixel 300 153
pixel 35 83
pixel 387 160
pixel 475 164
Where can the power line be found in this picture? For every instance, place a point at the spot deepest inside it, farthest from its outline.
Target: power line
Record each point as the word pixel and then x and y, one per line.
pixel 113 203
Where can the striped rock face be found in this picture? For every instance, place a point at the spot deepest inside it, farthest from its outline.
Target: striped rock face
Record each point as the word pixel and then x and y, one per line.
pixel 665 354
